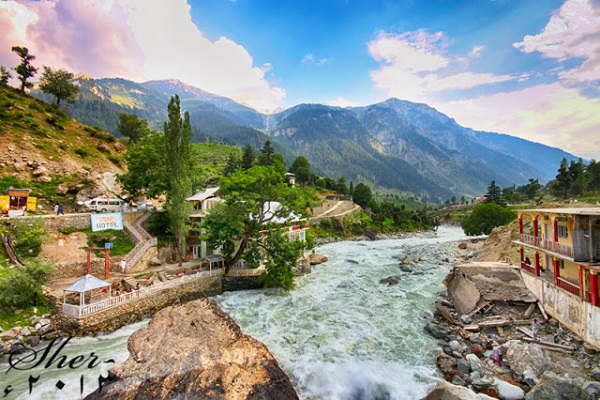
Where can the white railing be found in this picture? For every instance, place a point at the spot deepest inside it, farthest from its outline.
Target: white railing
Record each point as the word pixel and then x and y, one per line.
pixel 145 240
pixel 100 305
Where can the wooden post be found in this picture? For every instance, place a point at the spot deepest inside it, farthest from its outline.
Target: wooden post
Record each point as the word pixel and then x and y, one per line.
pixel 581 291
pixel 594 287
pixel 537 263
pixel 521 252
pixel 89 261
pixel 106 262
pixel 556 264
pixel 535 226
pixel 520 223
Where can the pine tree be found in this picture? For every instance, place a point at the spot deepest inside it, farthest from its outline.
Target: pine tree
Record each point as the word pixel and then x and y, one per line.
pixel 493 194
pixel 4 75
pixel 248 157
pixel 266 155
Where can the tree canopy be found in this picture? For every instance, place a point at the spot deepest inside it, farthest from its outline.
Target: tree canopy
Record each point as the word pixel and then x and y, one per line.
pixel 4 75
pixel 132 127
pixel 485 217
pixel 24 70
pixel 58 83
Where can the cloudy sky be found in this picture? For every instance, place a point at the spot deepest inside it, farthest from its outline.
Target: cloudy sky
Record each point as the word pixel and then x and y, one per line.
pixel 528 68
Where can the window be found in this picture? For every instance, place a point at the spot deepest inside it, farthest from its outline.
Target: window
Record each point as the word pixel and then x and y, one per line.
pixel 563 232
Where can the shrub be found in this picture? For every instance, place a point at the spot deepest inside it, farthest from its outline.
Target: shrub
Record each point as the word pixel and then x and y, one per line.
pixel 486 217
pixel 83 153
pixel 29 236
pixel 22 287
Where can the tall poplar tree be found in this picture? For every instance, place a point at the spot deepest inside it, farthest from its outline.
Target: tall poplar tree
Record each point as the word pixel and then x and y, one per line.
pixel 178 170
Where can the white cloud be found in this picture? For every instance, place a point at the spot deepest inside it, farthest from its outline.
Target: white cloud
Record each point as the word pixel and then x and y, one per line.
pixel 414 66
pixel 341 102
pixel 550 114
pixel 572 32
pixel 153 39
pixel 310 59
pixel 476 51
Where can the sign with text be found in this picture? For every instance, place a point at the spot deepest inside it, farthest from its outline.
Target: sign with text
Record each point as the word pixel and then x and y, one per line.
pixel 102 222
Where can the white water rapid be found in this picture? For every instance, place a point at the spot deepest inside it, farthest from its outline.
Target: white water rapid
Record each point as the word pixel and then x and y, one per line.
pixel 340 334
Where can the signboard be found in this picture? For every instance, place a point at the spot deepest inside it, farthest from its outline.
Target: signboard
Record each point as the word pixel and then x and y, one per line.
pixel 102 222
pixel 108 245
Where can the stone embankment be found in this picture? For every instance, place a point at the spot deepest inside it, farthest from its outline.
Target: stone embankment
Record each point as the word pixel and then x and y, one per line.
pixel 498 312
pixel 19 339
pixel 196 351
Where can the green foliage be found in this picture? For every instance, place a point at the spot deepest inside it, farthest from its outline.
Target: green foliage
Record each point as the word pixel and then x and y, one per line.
pixel 59 84
pixel 122 244
pixel 486 217
pixel 266 155
pixel 301 168
pixel 248 157
pixel 28 236
pixel 83 153
pixel 5 75
pixel 22 287
pixel 493 195
pixel 132 127
pixel 24 70
pixel 281 256
pixel 362 195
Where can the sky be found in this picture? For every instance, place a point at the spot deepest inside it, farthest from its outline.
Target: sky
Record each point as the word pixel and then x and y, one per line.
pixel 527 68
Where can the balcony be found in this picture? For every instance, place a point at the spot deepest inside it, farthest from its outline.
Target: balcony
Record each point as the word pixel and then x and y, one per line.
pixel 554 247
pixel 528 268
pixel 568 286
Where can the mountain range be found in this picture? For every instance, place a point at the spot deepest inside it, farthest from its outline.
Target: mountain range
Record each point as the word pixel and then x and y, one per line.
pixel 395 146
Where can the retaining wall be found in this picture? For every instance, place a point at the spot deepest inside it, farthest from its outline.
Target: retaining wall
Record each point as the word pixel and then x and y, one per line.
pixel 114 318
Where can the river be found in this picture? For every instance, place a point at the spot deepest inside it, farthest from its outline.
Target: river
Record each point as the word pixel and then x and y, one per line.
pixel 340 334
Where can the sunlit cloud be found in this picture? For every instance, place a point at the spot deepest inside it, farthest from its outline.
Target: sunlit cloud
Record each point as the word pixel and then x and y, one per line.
pixel 310 59
pixel 550 114
pixel 414 66
pixel 341 102
pixel 135 40
pixel 572 32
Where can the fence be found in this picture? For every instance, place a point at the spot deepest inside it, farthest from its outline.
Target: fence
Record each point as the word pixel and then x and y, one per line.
pixel 100 305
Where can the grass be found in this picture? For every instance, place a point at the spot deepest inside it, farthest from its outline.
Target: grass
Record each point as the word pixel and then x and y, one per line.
pixel 9 319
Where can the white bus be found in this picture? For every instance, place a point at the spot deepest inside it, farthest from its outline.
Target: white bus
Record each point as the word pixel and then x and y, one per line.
pixel 102 204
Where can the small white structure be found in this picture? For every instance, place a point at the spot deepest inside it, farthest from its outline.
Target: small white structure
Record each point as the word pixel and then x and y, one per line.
pixel 88 283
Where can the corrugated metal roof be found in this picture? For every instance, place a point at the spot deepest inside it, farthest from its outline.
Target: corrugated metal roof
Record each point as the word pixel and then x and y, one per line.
pixel 87 283
pixel 203 195
pixel 567 211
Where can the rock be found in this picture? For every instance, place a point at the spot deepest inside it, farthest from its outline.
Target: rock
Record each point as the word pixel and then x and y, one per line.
pixel 463 367
pixel 448 391
pixel 19 166
pixel 508 391
pixel 455 345
pixel 8 335
pixel 477 350
pixel 466 319
pixel 44 179
pixel 530 378
pixel 195 350
pixel 556 387
pixel 40 170
pixel 462 246
pixel 44 329
pixel 593 389
pixel 391 280
pixel 527 356
pixel 595 374
pixel 154 262
pixel 446 364
pixel 437 331
pixel 25 332
pixel 317 259
pixel 62 189
pixel 457 380
pixel 33 341
pixel 474 362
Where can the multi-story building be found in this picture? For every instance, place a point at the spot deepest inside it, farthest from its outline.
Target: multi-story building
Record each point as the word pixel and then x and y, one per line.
pixel 560 252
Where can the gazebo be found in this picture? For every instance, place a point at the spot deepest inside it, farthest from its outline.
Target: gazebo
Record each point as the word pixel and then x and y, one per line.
pixel 88 283
pixel 216 260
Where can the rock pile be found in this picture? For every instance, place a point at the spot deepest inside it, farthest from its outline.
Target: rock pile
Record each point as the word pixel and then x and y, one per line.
pixel 19 339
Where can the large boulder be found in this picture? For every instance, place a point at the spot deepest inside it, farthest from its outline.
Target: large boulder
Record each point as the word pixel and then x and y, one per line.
pixel 556 387
pixel 530 357
pixel 447 391
pixel 196 351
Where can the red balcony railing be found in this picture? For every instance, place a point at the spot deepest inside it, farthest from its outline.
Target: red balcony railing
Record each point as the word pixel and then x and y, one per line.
pixel 527 267
pixel 554 247
pixel 568 286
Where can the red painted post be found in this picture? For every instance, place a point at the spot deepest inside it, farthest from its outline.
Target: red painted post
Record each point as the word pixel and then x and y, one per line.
pixel 520 224
pixel 581 291
pixel 594 287
pixel 555 228
pixel 521 252
pixel 89 261
pixel 106 262
pixel 535 227
pixel 556 264
pixel 537 263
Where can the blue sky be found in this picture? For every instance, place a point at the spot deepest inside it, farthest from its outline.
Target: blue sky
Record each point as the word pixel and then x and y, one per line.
pixel 528 68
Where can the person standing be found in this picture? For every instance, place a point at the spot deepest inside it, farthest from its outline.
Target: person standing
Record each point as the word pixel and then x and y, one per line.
pixel 123 266
pixel 498 354
pixel 60 209
pixel 535 328
pixel 56 209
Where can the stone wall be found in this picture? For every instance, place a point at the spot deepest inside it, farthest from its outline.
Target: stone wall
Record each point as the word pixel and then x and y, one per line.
pixel 77 269
pixel 235 283
pixel 57 223
pixel 114 318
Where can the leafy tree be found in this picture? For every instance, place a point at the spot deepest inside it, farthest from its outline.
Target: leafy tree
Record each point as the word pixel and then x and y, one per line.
pixel 29 236
pixel 592 171
pixel 577 177
pixel 242 225
pixel 145 166
pixel 281 257
pixel 4 75
pixel 266 155
pixel 58 83
pixel 362 195
pixel 301 168
pixel 560 187
pixel 23 286
pixel 531 189
pixel 341 186
pixel 24 70
pixel 233 163
pixel 179 168
pixel 132 127
pixel 248 157
pixel 485 217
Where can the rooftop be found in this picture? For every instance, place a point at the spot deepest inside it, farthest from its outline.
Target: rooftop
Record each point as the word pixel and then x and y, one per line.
pixel 566 211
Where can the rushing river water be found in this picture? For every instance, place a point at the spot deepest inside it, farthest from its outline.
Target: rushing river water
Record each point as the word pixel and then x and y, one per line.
pixel 343 335
pixel 340 334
